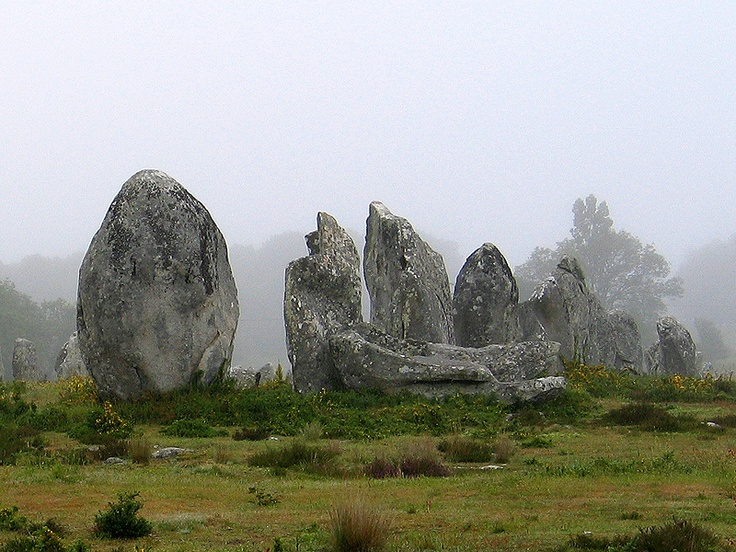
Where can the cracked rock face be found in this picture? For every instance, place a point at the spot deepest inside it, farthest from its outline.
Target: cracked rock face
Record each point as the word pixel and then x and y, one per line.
pixel 675 352
pixel 157 304
pixel 486 300
pixel 406 279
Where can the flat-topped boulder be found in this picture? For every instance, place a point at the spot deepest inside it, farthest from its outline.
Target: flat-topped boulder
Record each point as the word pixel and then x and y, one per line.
pixel 406 279
pixel 157 304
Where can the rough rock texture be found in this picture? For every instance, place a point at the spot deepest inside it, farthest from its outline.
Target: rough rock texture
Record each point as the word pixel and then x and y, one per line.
pixel 367 357
pixel 406 279
pixel 573 316
pixel 69 363
pixel 675 352
pixel 626 340
pixel 485 303
pixel 247 378
pixel 529 326
pixel 25 362
pixel 157 305
pixel 322 296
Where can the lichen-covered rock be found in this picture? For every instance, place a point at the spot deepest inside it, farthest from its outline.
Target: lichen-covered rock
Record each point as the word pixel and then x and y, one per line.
pixel 406 279
pixel 322 296
pixel 69 363
pixel 486 300
pixel 25 362
pixel 157 306
pixel 675 352
pixel 366 357
pixel 626 340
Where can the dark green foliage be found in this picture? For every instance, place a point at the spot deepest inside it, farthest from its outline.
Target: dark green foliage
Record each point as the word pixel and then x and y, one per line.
pixel 381 468
pixel 459 448
pixel 648 416
pixel 120 520
pixel 11 520
pixel 192 428
pixel 251 433
pixel 423 466
pixel 16 440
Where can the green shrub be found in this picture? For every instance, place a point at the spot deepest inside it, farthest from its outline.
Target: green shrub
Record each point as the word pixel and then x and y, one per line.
pixel 459 448
pixel 139 450
pixel 503 449
pixel 192 428
pixel 421 458
pixel 680 535
pixel 381 468
pixel 648 416
pixel 11 520
pixel 356 527
pixel 311 458
pixel 15 440
pixel 252 433
pixel 120 520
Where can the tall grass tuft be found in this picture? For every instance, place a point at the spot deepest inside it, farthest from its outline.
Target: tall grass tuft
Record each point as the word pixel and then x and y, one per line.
pixel 358 527
pixel 504 449
pixel 139 451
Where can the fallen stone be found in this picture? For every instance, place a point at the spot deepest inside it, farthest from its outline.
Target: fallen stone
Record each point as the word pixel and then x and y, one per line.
pixel 169 452
pixel 486 300
pixel 157 307
pixel 406 279
pixel 322 296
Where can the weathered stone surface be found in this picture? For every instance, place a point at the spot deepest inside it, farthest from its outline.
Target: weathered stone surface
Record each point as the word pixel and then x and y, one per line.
pixel 367 357
pixel 406 279
pixel 675 352
pixel 573 316
pixel 626 340
pixel 157 305
pixel 248 377
pixel 69 363
pixel 25 362
pixel 485 303
pixel 322 296
pixel 531 329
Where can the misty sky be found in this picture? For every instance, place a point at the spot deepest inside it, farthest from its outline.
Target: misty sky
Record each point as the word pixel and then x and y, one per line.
pixel 477 121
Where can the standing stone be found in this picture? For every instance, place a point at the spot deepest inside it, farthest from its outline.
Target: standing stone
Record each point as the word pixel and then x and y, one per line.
pixel 675 352
pixel 69 363
pixel 25 362
pixel 486 300
pixel 322 296
pixel 157 307
pixel 406 279
pixel 627 341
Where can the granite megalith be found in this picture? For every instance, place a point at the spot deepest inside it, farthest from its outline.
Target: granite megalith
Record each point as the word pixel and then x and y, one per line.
pixel 25 362
pixel 626 340
pixel 157 304
pixel 675 352
pixel 406 279
pixel 322 295
pixel 69 363
pixel 486 299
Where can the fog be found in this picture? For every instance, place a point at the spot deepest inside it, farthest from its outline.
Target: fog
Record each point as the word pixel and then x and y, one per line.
pixel 477 121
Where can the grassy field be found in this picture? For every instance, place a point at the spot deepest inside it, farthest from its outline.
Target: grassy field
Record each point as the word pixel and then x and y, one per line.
pixel 570 469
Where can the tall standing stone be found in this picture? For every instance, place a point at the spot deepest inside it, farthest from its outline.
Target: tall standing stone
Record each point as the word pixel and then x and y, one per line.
pixel 406 279
pixel 25 362
pixel 322 296
pixel 627 341
pixel 157 304
pixel 486 300
pixel 69 363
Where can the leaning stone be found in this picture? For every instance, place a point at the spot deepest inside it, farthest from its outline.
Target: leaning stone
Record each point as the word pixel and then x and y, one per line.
pixel 627 342
pixel 322 295
pixel 406 279
pixel 157 307
pixel 675 352
pixel 486 300
pixel 25 362
pixel 69 363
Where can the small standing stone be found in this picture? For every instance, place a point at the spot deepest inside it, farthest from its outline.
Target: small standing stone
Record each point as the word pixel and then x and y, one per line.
pixel 25 362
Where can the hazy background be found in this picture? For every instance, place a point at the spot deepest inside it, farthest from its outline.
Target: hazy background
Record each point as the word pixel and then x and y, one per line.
pixel 477 121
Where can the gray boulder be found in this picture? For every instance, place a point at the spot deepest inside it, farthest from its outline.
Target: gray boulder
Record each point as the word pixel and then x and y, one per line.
pixel 529 326
pixel 675 352
pixel 366 357
pixel 485 303
pixel 322 296
pixel 406 279
pixel 69 363
pixel 626 340
pixel 157 304
pixel 25 362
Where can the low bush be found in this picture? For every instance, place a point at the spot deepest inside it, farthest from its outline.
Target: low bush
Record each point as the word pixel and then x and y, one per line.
pixel 121 521
pixel 297 454
pixel 381 468
pixel 251 433
pixel 139 450
pixel 421 458
pixel 459 448
pixel 18 440
pixel 503 449
pixel 648 416
pixel 192 428
pixel 11 520
pixel 357 527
